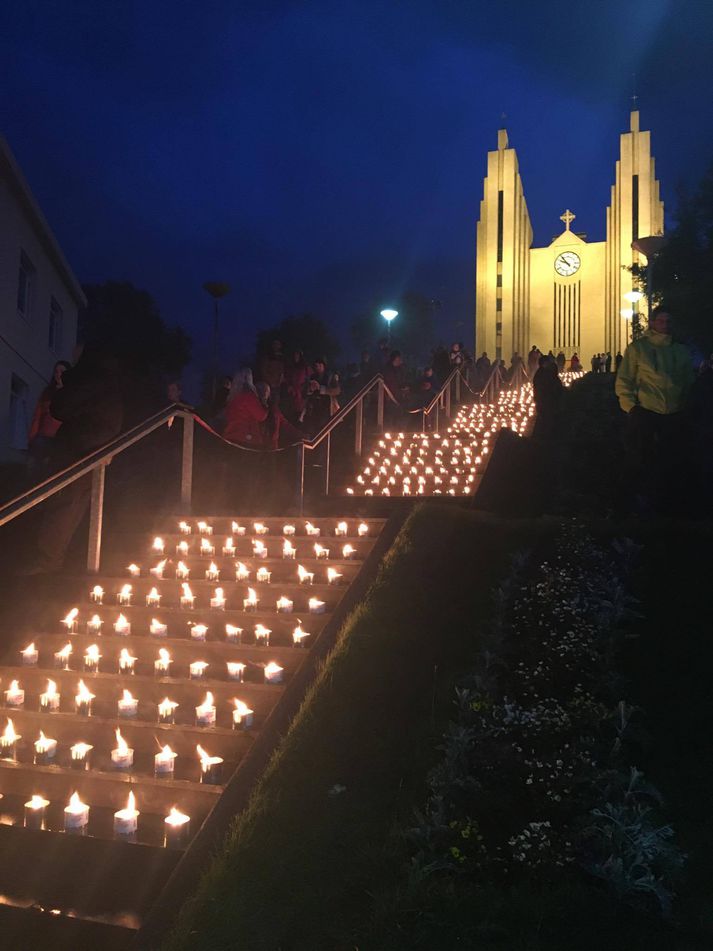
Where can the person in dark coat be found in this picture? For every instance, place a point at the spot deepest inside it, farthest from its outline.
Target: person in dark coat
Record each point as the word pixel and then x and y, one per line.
pixel 617 360
pixel 89 408
pixel 547 390
pixel 44 426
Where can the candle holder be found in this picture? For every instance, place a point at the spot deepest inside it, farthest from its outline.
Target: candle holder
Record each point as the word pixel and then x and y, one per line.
pixel 197 669
pixel 15 695
pixel 167 712
pixel 341 529
pixel 205 713
pixel 122 758
pixel 233 634
pixel 243 716
pixel 91 659
pixel 241 572
pixel 250 603
pixel 158 570
pixel 153 598
pixel 263 575
pixel 45 750
pixel 334 577
pixel 299 637
pixel 61 658
pixel 80 756
pixel 273 673
pixel 127 663
pixel 8 742
pixel 187 597
pixel 288 529
pixel 237 529
pixel 207 548
pixel 49 700
pixel 204 528
pixel 122 626
pixel 199 632
pixel 284 605
pixel 184 528
pixel 320 552
pixel 259 549
pixel 211 768
pixel 182 549
pixel 126 820
pixel 262 635
pixel 124 595
pixel 157 629
pixel 94 625
pixel 162 664
pixel 30 656
pixel 164 763
pixel 70 621
pixel 288 550
pixel 305 577
pixel 76 816
pixel 212 572
pixel 35 816
pixel 176 829
pixel 182 571
pixel 127 707
pixel 229 548
pixel 158 545
pixel 316 606
pixel 311 529
pixel 348 552
pixel 236 671
pixel 217 602
pixel 133 570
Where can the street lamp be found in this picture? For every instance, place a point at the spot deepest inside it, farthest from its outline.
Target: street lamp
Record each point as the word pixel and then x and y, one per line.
pixel 388 314
pixel 633 297
pixel 216 291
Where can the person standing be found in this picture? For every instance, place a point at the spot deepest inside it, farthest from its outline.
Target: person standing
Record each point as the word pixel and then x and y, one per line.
pixel 44 426
pixel 607 363
pixel 617 361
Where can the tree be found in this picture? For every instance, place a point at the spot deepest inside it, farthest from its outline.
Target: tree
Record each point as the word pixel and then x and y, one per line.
pixel 413 331
pixel 304 332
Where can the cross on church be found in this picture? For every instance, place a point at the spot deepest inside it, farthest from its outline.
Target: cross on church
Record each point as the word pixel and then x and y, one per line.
pixel 568 218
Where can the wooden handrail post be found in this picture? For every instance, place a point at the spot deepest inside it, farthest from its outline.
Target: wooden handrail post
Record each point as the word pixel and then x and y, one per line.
pixel 187 463
pixel 359 428
pixel 302 478
pixel 96 518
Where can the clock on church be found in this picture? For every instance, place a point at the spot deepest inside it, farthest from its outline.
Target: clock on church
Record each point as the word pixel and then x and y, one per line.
pixel 567 263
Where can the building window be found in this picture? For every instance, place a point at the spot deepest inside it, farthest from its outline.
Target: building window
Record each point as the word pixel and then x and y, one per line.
pixel 19 412
pixel 499 280
pixel 25 282
pixel 634 207
pixel 55 329
pixel 501 200
pixel 498 303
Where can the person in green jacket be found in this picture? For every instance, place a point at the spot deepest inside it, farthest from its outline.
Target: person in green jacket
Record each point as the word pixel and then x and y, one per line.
pixel 652 385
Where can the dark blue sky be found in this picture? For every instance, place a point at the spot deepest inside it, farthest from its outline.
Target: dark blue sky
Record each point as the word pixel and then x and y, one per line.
pixel 326 157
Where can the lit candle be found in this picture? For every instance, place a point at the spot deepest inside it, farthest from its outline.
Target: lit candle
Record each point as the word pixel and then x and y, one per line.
pixel 126 662
pixel 362 530
pixel 30 656
pixel 259 549
pixel 207 548
pixel 176 828
pixel 212 572
pixel 288 529
pixel 35 812
pixel 251 602
pixel 70 621
pixel 133 570
pixel 333 576
pixel 49 700
pixel 94 624
pixel 8 741
pixel 187 596
pixel 182 548
pixel 197 669
pixel 233 634
pixel 273 673
pixel 158 570
pixel 182 571
pixel 163 663
pixel 92 658
pixel 236 670
pixel 96 594
pixel 157 628
pixel 167 711
pixel 204 528
pixel 259 528
pixel 205 712
pixel 122 625
pixel 14 695
pixel 153 598
pixel 79 755
pixel 126 820
pixel 237 529
pixel 306 577
pixel 242 716
pixel 158 545
pixel 341 528
pixel 184 528
pixel 122 757
pixel 348 552
pixel 45 750
pixel 124 595
pixel 320 551
pixel 241 572
pixel 316 606
pixel 211 767
pixel 127 706
pixel 164 762
pixel 229 546
pixel 288 549
pixel 262 635
pixel 217 602
pixel 284 605
pixel 263 575
pixel 299 637
pixel 311 529
pixel 76 815
pixel 198 631
pixel 83 700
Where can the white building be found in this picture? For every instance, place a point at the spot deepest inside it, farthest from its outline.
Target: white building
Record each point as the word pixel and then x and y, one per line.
pixel 39 302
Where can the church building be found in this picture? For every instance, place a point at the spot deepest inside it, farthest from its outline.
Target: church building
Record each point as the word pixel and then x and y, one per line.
pixel 569 296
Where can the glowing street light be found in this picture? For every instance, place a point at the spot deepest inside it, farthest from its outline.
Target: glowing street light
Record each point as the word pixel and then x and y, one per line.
pixel 389 314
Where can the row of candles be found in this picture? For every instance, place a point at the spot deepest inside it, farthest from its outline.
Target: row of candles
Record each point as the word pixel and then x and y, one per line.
pixel 259 528
pixel 76 819
pixel 218 600
pixel 259 550
pixel 122 756
pixel 157 628
pixel 127 706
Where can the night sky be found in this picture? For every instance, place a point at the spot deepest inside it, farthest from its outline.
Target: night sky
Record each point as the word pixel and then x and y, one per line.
pixel 327 157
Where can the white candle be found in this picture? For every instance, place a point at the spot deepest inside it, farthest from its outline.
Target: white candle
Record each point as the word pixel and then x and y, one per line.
pixel 14 695
pixel 127 706
pixel 259 549
pixel 164 762
pixel 198 669
pixel 320 551
pixel 237 529
pixel 153 598
pixel 133 570
pixel 126 662
pixel 288 549
pixel 76 814
pixel 122 626
pixel 204 528
pixel 299 636
pixel 45 750
pixel 273 673
pixel 229 546
pixel 262 635
pixel 348 552
pixel 211 767
pixel 122 757
pixel 306 577
pixel 158 545
pixel 83 700
pixel 96 594
pixel 8 741
pixel 341 528
pixel 167 711
pixel 311 529
pixel 182 548
pixel 236 670
pixel 242 716
pixel 284 605
pixel 126 820
pixel 182 570
pixel 177 825
pixel 263 575
pixel 316 606
pixel 70 621
pixel 79 755
pixel 94 624
pixel 233 634
pixel 260 528
pixel 288 529
pixel 157 628
pixel 158 570
pixel 212 572
pixel 124 595
pixel 207 549
pixel 163 663
pixel 92 658
pixel 30 656
pixel 198 631
pixel 49 700
pixel 333 576
pixel 184 528
pixel 35 812
pixel 187 596
pixel 241 572
pixel 251 602
pixel 205 712
pixel 217 602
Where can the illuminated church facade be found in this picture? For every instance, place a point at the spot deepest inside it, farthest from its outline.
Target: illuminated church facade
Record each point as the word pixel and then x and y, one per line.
pixel 567 296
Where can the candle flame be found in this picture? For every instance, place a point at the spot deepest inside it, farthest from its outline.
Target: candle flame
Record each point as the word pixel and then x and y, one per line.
pixel 156 626
pixel 121 744
pixel 332 575
pixel 80 750
pixel 176 818
pixel 242 709
pixel 241 571
pixel 51 689
pixel 187 593
pixel 348 550
pixel 75 803
pixel 9 735
pixel 206 759
pixel 84 695
pixel 98 591
pixel 126 590
pixel 37 802
pixel 262 631
pixel 208 703
pixel 166 707
pixel 125 658
pixel 126 696
pixel 71 617
pixel 252 596
pixel 158 544
pixel 133 569
pixel 92 655
pixel 272 668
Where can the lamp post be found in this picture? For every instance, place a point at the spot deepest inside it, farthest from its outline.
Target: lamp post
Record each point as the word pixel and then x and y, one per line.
pixel 389 314
pixel 216 291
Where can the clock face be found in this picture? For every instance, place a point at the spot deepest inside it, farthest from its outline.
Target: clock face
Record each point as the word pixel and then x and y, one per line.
pixel 567 263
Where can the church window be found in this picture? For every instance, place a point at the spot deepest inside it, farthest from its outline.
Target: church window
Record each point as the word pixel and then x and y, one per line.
pixel 498 303
pixel 499 280
pixel 634 207
pixel 501 201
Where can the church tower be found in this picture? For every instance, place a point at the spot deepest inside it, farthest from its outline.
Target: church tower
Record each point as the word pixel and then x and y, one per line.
pixel 503 239
pixel 635 211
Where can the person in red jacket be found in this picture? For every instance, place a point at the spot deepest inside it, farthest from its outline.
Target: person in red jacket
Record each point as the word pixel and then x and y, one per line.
pixel 44 426
pixel 245 412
